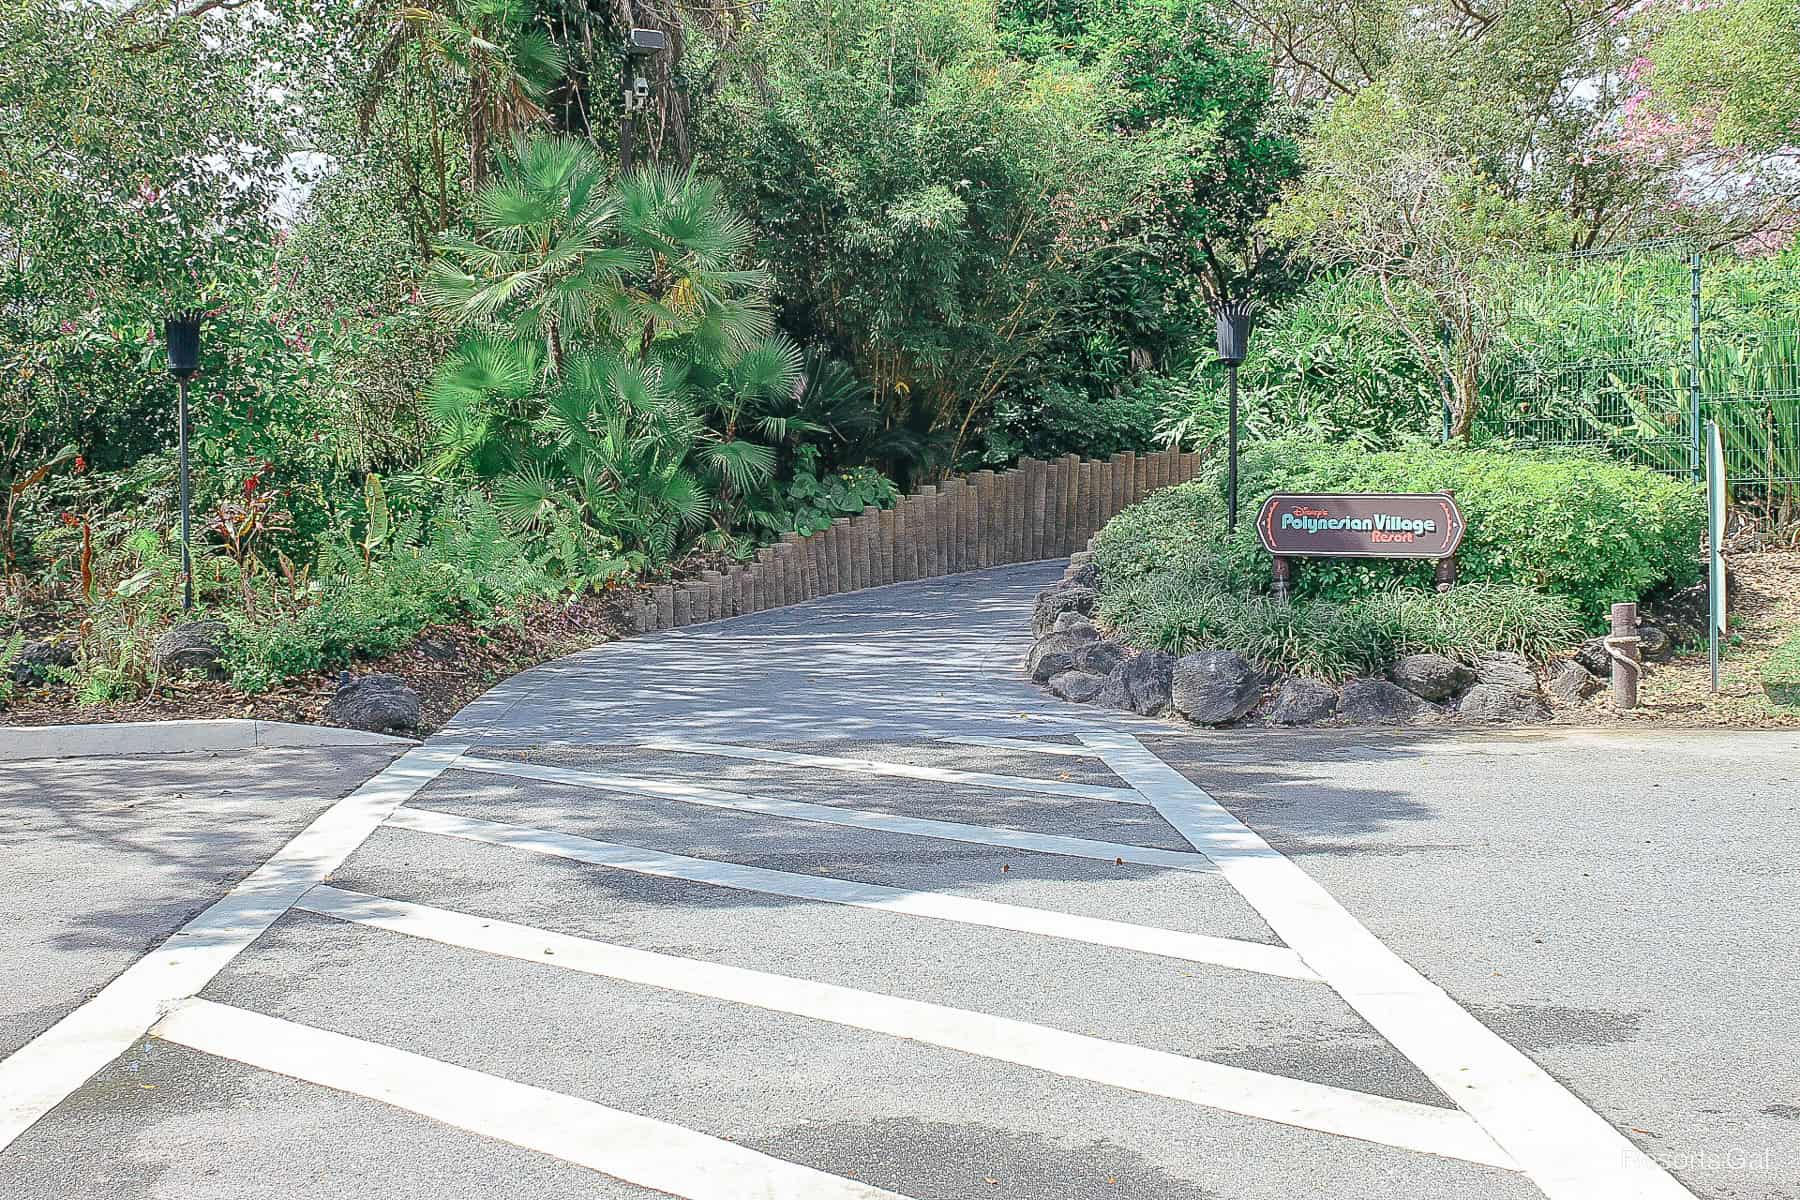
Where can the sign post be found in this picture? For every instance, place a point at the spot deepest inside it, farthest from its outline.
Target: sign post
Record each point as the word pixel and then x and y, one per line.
pixel 1360 525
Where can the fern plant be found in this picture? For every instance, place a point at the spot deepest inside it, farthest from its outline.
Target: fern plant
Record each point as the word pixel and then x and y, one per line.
pixel 9 654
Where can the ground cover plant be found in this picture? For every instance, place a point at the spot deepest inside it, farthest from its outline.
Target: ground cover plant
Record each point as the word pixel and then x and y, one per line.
pixel 1781 674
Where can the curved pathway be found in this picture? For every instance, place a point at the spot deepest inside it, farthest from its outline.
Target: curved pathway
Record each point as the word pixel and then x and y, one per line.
pixel 925 659
pixel 829 902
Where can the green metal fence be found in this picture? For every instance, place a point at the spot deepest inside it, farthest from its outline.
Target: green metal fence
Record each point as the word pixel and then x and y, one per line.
pixel 1633 357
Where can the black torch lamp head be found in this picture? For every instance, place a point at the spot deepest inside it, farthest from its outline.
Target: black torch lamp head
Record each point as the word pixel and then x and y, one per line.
pixel 1234 331
pixel 181 334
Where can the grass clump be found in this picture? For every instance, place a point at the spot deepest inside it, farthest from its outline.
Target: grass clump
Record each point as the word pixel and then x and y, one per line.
pixel 1336 641
pixel 1781 674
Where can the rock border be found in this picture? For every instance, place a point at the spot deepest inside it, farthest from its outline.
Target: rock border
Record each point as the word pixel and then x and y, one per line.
pixel 1077 662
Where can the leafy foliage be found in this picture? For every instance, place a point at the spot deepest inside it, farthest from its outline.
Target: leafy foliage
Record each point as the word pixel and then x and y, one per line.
pixel 1733 63
pixel 1589 531
pixel 464 565
pixel 930 207
pixel 1781 672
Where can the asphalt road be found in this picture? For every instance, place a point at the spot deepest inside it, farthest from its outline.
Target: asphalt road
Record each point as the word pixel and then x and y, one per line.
pixel 828 902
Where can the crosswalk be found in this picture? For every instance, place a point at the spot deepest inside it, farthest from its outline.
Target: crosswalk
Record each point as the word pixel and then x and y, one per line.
pixel 1504 1112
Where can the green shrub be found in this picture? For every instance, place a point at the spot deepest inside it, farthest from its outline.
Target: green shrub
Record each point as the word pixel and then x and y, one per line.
pixel 1585 529
pixel 1781 674
pixel 1055 420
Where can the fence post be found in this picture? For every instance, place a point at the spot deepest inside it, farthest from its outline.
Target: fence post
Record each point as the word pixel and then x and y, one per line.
pixel 1695 267
pixel 859 551
pixel 884 548
pixel 1622 647
pixel 1016 515
pixel 1031 543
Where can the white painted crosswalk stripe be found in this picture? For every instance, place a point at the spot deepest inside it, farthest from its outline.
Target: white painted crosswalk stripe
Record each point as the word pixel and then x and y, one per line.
pixel 1191 947
pixel 833 814
pixel 865 766
pixel 1062 749
pixel 1401 1123
pixel 1562 1145
pixel 38 1076
pixel 639 1150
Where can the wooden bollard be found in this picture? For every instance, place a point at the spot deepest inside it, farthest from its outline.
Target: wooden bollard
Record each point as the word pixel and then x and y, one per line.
pixel 1627 664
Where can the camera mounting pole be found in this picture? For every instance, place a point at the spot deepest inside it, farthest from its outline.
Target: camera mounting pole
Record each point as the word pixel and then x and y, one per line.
pixel 640 46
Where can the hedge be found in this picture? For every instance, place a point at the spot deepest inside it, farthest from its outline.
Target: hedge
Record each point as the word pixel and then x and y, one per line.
pixel 1589 530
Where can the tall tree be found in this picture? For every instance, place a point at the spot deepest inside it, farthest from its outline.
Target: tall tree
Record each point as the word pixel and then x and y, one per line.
pixel 1390 193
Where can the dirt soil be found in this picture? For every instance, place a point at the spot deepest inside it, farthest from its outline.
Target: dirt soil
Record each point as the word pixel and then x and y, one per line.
pixel 1679 694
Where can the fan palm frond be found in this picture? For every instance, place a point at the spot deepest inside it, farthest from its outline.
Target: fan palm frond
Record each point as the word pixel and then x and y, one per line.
pixel 526 498
pixel 769 369
pixel 744 465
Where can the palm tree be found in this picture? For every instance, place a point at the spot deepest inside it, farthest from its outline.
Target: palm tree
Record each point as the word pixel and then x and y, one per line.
pixel 618 358
pixel 494 50
pixel 561 253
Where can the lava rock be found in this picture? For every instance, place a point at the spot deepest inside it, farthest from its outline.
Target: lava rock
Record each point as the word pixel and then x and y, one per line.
pixel 1506 670
pixel 1492 702
pixel 1055 653
pixel 194 646
pixel 1054 602
pixel 1101 657
pixel 1378 702
pixel 36 659
pixel 1082 574
pixel 1572 683
pixel 376 703
pixel 1078 687
pixel 1594 657
pixel 1303 702
pixel 1212 687
pixel 1141 684
pixel 1432 676
pixel 1069 622
pixel 1655 645
pixel 1684 614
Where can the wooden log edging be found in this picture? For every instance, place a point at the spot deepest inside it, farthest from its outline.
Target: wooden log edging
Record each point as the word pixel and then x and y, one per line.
pixel 1036 510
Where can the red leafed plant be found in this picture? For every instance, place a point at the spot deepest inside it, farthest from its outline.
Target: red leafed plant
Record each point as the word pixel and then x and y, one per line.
pixel 241 524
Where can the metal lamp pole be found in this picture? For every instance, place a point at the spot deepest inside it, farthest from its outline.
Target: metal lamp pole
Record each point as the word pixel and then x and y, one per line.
pixel 1234 342
pixel 181 334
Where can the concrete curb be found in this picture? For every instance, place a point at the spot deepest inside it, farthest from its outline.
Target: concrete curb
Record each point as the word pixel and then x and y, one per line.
pixel 176 737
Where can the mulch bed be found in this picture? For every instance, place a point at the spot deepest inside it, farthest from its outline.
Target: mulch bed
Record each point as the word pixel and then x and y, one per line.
pixel 449 665
pixel 1679 694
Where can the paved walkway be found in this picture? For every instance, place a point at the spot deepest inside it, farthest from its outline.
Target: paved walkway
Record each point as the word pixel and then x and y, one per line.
pixel 829 903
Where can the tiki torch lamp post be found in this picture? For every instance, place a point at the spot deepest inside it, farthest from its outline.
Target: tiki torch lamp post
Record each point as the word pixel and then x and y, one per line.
pixel 181 334
pixel 1234 343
